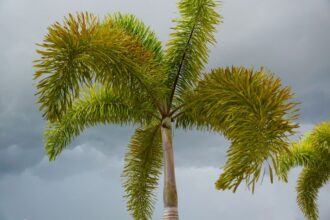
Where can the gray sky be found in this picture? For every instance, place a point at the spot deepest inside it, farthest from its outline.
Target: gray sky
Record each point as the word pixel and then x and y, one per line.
pixel 291 38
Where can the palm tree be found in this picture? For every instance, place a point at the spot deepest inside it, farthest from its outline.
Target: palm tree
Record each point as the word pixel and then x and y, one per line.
pixel 115 71
pixel 313 153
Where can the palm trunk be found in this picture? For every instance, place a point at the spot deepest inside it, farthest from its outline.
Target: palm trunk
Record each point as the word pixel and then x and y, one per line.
pixel 170 194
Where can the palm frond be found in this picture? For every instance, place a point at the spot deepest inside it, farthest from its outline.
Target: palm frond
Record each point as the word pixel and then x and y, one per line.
pixel 187 50
pixel 97 106
pixel 320 137
pixel 309 183
pixel 252 109
pixel 311 152
pixel 149 41
pixel 301 153
pixel 186 119
pixel 138 29
pixel 143 163
pixel 81 51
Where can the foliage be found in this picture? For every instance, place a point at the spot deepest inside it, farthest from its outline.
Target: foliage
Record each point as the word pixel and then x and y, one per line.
pixel 97 106
pixel 312 152
pixel 187 52
pixel 115 71
pixel 252 110
pixel 138 29
pixel 143 162
pixel 83 51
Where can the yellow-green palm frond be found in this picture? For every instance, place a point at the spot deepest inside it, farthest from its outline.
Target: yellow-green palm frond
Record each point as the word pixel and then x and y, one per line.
pixel 187 51
pixel 320 137
pixel 311 152
pixel 252 109
pixel 97 106
pixel 185 118
pixel 149 41
pixel 143 162
pixel 137 28
pixel 81 51
pixel 309 183
pixel 301 153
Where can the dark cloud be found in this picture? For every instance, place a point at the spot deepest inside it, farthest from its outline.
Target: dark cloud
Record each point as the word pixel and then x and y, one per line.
pixel 290 38
pixel 87 195
pixel 97 194
pixel 79 160
pixel 20 139
pixel 323 202
pixel 194 148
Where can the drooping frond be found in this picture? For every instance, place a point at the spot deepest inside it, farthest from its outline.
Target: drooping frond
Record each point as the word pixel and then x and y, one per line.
pixel 309 183
pixel 97 106
pixel 137 28
pixel 252 109
pixel 301 153
pixel 149 41
pixel 186 119
pixel 187 50
pixel 143 163
pixel 320 137
pixel 312 152
pixel 81 51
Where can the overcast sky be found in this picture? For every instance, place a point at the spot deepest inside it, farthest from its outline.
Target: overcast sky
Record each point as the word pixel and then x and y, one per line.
pixel 291 38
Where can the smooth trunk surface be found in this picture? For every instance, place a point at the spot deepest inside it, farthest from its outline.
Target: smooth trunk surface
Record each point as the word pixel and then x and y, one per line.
pixel 170 193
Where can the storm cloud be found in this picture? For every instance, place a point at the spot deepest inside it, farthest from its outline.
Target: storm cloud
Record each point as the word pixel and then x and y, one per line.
pixel 289 38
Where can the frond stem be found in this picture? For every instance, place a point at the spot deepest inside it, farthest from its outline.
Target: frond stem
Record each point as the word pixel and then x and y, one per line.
pixel 177 115
pixel 176 109
pixel 150 94
pixel 181 65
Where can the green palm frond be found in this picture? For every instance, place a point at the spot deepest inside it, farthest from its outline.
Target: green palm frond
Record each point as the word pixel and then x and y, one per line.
pixel 302 153
pixel 137 28
pixel 309 183
pixel 187 51
pixel 97 106
pixel 252 109
pixel 320 137
pixel 149 41
pixel 81 51
pixel 311 152
pixel 143 163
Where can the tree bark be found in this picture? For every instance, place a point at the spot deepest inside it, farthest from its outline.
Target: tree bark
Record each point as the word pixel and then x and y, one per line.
pixel 170 193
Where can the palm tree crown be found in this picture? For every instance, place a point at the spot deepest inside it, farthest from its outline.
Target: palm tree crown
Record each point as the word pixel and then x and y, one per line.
pixel 115 71
pixel 313 153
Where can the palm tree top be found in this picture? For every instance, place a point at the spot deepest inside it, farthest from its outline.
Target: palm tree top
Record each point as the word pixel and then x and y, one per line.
pixel 116 71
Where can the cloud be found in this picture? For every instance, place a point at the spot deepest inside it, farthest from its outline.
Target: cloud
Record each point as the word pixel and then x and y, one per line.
pixel 83 196
pixel 85 183
pixel 78 160
pixel 291 38
pixel 97 194
pixel 200 200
